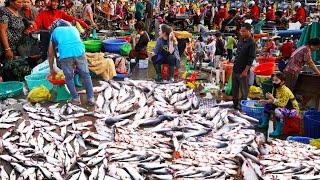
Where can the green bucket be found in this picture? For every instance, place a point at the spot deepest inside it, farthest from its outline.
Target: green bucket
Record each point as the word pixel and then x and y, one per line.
pixel 93 45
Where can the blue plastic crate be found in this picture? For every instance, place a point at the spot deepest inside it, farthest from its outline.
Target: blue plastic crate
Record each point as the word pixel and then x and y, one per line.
pixel 300 139
pixel 255 112
pixel 311 120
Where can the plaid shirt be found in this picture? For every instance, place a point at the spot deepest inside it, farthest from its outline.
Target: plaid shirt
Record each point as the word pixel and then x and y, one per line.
pixel 298 59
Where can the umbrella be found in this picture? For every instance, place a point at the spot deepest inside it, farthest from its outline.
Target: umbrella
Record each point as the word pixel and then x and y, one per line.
pixel 309 32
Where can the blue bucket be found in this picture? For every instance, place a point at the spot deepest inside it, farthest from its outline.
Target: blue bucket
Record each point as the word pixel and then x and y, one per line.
pixel 311 120
pixel 113 45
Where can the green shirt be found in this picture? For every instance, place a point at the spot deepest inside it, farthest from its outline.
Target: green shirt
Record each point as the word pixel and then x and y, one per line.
pixel 231 42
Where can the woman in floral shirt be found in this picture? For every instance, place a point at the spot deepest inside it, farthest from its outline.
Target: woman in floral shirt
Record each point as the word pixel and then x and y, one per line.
pixel 282 102
pixel 298 59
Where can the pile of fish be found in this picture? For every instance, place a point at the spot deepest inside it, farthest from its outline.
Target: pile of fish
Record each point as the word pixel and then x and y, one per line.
pixel 142 130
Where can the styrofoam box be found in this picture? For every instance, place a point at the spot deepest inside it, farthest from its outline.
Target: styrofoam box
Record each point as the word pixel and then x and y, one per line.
pixel 143 64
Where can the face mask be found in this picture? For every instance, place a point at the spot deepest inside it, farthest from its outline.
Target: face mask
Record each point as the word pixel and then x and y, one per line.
pixel 276 85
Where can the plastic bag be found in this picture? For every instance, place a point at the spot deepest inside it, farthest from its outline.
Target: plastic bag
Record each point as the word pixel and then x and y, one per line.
pixel 125 49
pixel 228 89
pixel 255 92
pixel 59 75
pixel 44 67
pixel 39 94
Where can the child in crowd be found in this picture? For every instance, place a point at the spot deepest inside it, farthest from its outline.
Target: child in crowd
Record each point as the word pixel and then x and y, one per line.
pixel 200 53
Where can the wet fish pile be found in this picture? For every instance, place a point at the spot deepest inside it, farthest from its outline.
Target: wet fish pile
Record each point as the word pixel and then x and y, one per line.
pixel 142 130
pixel 289 160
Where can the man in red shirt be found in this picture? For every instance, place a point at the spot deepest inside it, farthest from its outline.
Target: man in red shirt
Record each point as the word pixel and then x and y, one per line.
pixel 300 14
pixel 270 16
pixel 254 12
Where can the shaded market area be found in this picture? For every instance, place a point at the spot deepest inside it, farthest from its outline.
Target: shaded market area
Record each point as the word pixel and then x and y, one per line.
pixel 147 89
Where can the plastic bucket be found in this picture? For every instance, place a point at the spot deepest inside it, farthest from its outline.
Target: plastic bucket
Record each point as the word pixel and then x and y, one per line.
pixel 93 45
pixel 311 120
pixel 265 69
pixel 113 45
pixel 266 59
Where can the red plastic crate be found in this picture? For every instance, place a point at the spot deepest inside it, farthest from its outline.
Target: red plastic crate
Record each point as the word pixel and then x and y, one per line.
pixel 292 126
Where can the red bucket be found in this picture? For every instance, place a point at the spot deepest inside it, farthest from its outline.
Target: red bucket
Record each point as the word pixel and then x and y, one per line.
pixel 266 59
pixel 126 38
pixel 265 69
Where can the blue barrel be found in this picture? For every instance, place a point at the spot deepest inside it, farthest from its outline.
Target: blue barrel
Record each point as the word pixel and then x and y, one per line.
pixel 311 120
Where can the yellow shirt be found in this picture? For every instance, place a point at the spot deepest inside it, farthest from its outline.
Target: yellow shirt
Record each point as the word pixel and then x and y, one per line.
pixel 283 96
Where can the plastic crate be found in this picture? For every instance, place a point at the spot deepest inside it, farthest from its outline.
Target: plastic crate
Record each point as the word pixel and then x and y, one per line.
pixel 300 139
pixel 292 126
pixel 311 121
pixel 35 80
pixel 10 89
pixel 247 107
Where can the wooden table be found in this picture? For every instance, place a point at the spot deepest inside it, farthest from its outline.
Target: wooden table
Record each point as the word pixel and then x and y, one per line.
pixel 308 85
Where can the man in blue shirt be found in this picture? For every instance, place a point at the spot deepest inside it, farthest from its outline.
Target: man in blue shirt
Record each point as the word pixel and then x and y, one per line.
pixel 66 40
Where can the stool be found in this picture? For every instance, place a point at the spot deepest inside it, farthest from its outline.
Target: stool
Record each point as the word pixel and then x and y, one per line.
pixel 59 90
pixel 165 72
